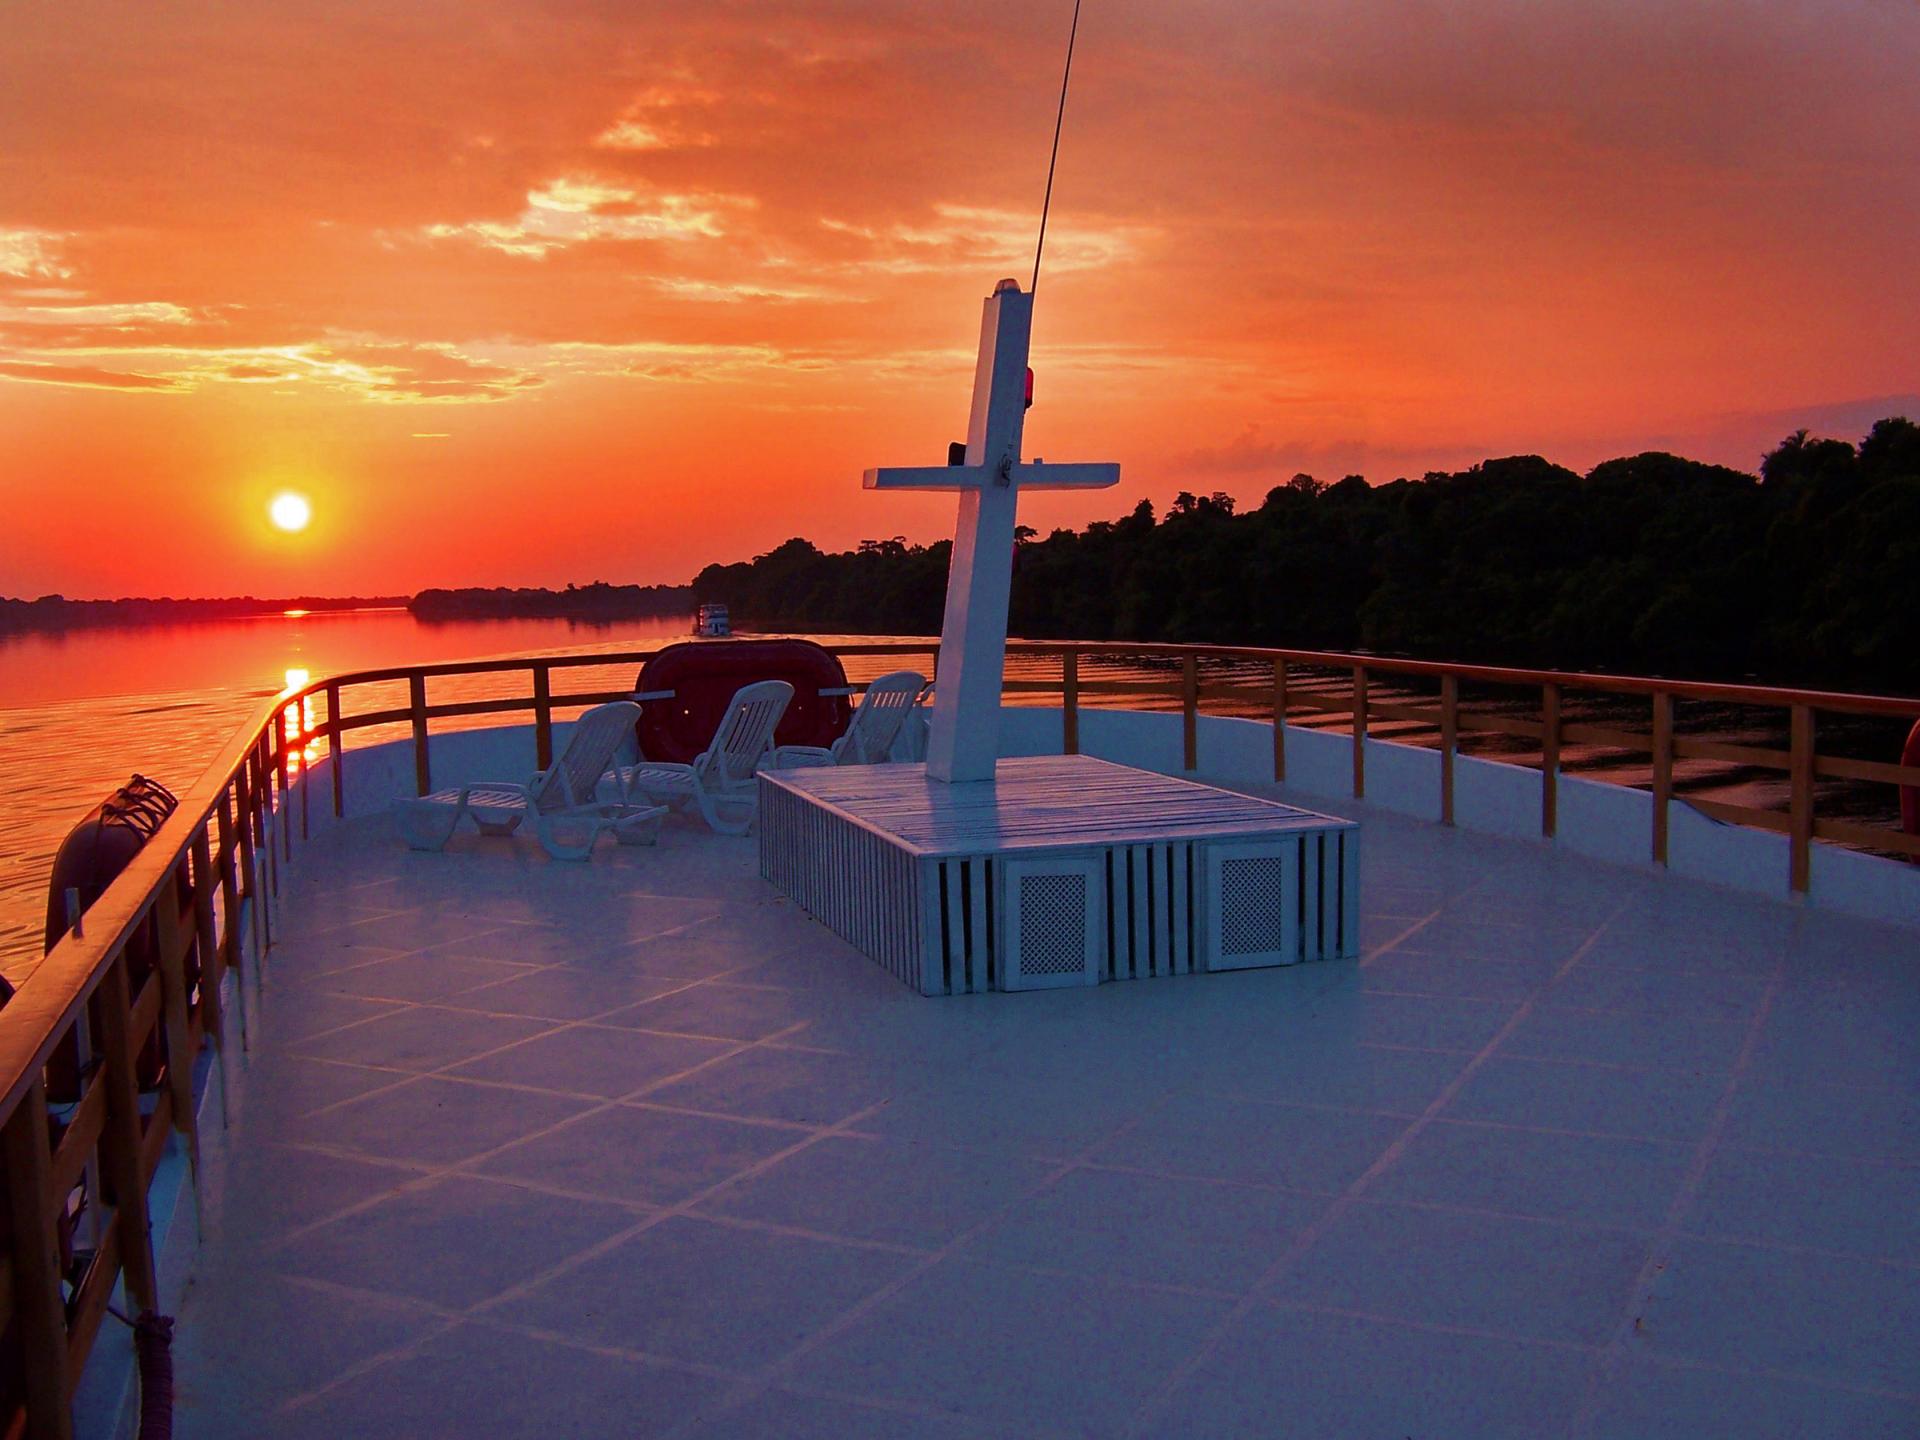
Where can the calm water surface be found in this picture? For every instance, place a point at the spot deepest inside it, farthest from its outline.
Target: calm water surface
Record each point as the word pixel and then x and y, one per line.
pixel 83 709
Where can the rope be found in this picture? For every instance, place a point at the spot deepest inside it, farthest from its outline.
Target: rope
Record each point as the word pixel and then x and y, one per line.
pixel 153 1352
pixel 1059 117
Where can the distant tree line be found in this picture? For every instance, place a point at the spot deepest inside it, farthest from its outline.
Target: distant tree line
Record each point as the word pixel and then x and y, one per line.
pixel 598 601
pixel 56 612
pixel 1809 571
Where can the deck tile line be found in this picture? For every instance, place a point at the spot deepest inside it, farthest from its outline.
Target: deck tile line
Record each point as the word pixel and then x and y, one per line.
pixel 438 1071
pixel 771 1374
pixel 1787 1247
pixel 595 1101
pixel 392 954
pixel 397 1004
pixel 1910 1161
pixel 1414 929
pixel 1818 1382
pixel 1155 1404
pixel 886 1405
pixel 549 968
pixel 1622 1012
pixel 681 1208
pixel 1660 1252
pixel 445 1072
pixel 463 1167
pixel 1475 1123
pixel 606 1245
pixel 802 1232
pixel 452 1319
pixel 1522 1217
pixel 1427 1327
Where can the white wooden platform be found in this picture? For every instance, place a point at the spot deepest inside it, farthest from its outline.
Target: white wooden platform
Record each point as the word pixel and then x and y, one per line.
pixel 1063 870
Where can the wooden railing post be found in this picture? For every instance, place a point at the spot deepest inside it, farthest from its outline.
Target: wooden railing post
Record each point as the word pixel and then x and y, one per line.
pixel 248 877
pixel 1662 771
pixel 286 793
pixel 212 971
pixel 1279 721
pixel 1800 801
pixel 1359 731
pixel 272 816
pixel 174 1011
pixel 38 1312
pixel 1449 742
pixel 1549 759
pixel 264 853
pixel 542 717
pixel 417 700
pixel 120 1138
pixel 1190 713
pixel 232 957
pixel 336 756
pixel 1070 703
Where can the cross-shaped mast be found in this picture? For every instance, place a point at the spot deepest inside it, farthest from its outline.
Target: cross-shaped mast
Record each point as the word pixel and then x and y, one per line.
pixel 973 635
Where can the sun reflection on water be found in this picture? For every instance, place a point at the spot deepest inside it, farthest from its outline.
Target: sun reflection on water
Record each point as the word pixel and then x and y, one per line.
pixel 298 719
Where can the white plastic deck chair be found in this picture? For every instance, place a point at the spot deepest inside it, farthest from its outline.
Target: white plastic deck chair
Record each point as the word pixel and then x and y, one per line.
pixel 911 742
pixel 719 783
pixel 871 733
pixel 568 816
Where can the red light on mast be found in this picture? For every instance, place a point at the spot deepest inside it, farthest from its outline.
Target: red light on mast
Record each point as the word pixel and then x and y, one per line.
pixel 1029 404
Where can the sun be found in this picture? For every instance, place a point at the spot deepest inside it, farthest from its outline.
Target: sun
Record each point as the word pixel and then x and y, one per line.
pixel 290 512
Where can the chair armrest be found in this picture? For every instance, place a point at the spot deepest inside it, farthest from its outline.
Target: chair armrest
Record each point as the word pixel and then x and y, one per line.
pixel 525 792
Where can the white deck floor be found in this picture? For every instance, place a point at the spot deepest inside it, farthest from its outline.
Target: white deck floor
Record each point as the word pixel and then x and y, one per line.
pixel 637 1149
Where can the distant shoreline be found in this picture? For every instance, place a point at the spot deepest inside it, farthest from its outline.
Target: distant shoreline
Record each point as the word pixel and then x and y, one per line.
pixel 52 614
pixel 56 612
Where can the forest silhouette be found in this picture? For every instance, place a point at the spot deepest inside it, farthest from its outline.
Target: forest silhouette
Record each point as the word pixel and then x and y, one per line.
pixel 1808 572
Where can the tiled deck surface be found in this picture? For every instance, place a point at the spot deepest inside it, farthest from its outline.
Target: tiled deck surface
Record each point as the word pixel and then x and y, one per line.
pixel 637 1149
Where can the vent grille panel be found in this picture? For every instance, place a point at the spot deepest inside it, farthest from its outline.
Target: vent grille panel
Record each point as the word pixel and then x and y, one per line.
pixel 1053 924
pixel 1252 917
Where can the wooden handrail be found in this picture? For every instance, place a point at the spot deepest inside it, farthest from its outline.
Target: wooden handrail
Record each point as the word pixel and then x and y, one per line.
pixel 1360 710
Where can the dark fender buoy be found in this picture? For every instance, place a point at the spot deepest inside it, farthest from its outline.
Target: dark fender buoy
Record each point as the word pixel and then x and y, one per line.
pixel 1910 794
pixel 96 850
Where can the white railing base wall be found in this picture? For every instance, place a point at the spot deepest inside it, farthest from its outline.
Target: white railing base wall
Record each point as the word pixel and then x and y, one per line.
pixel 1597 819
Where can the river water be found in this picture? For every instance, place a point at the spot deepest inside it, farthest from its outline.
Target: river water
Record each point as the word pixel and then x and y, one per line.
pixel 83 709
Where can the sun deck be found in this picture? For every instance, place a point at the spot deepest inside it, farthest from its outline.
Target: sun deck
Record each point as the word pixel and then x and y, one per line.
pixel 636 1148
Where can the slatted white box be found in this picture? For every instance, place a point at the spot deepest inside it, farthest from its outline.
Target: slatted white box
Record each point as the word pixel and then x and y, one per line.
pixel 1065 870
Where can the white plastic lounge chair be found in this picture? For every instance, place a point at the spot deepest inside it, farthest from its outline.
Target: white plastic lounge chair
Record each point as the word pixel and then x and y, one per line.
pixel 568 816
pixel 720 781
pixel 870 733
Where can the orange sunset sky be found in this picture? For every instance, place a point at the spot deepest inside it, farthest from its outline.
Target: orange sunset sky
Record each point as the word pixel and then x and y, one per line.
pixel 529 293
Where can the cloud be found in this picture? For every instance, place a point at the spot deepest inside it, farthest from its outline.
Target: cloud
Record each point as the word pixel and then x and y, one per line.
pixel 661 118
pixel 974 239
pixel 86 376
pixel 125 316
pixel 574 210
pixel 366 369
pixel 29 254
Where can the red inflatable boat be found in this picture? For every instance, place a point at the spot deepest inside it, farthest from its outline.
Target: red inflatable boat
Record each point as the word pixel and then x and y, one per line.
pixel 702 678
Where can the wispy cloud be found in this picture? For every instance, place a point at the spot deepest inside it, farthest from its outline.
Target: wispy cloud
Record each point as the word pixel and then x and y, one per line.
pixel 31 254
pixel 573 210
pixel 90 377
